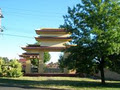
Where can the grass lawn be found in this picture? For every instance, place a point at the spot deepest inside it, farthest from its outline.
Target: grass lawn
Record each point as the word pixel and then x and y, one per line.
pixel 59 83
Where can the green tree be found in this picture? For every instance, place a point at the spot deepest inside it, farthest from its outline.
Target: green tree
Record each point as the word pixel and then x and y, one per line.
pixel 34 61
pixel 3 67
pixel 1 63
pixel 6 60
pixel 10 68
pixel 14 68
pixel 61 62
pixel 46 57
pixel 95 28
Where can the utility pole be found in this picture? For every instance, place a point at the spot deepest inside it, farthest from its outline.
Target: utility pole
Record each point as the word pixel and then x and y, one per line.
pixel 1 16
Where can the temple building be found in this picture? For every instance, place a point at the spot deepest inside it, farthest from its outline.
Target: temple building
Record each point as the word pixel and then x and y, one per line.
pixel 51 40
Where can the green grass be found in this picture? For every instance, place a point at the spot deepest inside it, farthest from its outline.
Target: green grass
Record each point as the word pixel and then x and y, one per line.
pixel 54 83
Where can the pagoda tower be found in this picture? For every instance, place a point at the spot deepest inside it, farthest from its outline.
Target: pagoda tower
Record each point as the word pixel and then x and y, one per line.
pixel 51 40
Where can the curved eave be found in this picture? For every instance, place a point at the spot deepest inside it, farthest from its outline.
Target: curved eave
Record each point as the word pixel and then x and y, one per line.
pixel 29 56
pixel 24 56
pixel 44 48
pixel 50 30
pixel 33 54
pixel 33 45
pixel 53 38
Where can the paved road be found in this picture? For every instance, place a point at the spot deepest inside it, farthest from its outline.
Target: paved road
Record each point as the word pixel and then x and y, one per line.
pixel 19 88
pixel 9 87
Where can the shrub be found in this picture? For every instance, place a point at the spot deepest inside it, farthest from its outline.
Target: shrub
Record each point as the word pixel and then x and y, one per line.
pixel 15 69
pixel 1 64
pixel 11 69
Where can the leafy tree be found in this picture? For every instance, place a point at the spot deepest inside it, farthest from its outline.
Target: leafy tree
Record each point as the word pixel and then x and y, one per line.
pixel 6 60
pixel 46 57
pixel 1 63
pixel 34 61
pixel 115 63
pixel 95 28
pixel 77 62
pixel 61 62
pixel 14 69
pixel 3 67
pixel 10 68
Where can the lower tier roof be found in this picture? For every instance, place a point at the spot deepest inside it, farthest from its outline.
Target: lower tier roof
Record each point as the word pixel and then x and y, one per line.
pixel 43 48
pixel 31 55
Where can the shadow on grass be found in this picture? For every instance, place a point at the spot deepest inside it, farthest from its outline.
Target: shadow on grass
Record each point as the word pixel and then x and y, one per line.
pixel 29 84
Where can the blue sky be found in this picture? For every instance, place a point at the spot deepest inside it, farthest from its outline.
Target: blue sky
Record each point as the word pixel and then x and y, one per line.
pixel 22 17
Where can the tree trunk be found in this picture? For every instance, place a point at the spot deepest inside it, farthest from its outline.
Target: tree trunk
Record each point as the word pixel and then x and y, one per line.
pixel 102 70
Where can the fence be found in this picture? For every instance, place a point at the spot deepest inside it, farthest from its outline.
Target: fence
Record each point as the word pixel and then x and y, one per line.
pixel 53 70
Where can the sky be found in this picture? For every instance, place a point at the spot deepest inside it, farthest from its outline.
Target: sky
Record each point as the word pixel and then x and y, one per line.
pixel 22 17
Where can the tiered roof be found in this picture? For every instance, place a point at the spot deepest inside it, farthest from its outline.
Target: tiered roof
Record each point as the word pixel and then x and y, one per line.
pixel 32 55
pixel 50 30
pixel 43 38
pixel 43 48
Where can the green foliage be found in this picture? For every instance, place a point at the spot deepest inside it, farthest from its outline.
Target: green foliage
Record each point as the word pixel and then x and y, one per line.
pixel 46 57
pixel 10 68
pixel 1 63
pixel 35 61
pixel 5 59
pixel 95 29
pixel 15 69
pixel 61 62
pixel 114 64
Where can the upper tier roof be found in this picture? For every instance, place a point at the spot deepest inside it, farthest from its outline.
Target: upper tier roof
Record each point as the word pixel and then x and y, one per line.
pixel 43 38
pixel 50 30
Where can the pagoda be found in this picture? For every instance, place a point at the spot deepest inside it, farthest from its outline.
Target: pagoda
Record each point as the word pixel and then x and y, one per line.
pixel 51 40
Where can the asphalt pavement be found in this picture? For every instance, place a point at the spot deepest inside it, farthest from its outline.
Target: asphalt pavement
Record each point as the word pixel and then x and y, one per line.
pixel 9 87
